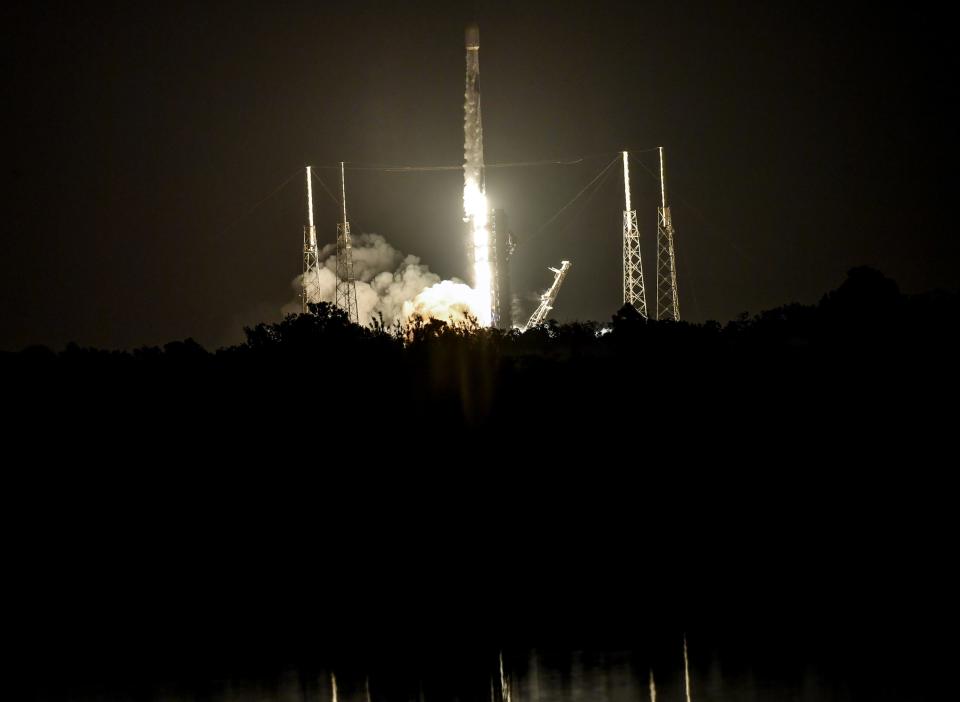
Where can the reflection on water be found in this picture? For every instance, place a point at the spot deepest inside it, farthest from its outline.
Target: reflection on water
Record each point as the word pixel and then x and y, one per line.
pixel 516 676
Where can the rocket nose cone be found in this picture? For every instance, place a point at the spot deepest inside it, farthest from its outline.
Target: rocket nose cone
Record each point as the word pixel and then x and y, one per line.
pixel 473 36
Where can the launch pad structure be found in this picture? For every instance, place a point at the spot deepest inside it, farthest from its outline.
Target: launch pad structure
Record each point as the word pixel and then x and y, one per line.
pixel 539 315
pixel 311 263
pixel 668 305
pixel 634 293
pixel 490 244
pixel 345 296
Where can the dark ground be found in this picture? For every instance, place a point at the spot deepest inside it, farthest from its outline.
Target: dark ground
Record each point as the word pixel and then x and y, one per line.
pixel 327 493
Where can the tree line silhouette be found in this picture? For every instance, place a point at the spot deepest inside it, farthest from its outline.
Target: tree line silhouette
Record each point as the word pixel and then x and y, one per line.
pixel 864 338
pixel 866 360
pixel 325 471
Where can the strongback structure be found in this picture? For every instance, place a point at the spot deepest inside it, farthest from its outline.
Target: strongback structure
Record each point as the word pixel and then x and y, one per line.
pixel 548 298
pixel 502 316
pixel 311 263
pixel 668 305
pixel 633 291
pixel 346 294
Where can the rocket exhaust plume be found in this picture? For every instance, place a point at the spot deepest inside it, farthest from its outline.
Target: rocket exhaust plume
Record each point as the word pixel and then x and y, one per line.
pixel 653 688
pixel 475 209
pixel 390 286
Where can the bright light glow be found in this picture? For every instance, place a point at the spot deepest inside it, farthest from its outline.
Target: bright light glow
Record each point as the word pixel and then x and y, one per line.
pixel 390 286
pixel 477 212
pixel 448 301
pixel 475 208
pixel 626 182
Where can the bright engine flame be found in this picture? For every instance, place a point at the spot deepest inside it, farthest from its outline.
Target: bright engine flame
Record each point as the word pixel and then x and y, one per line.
pixel 448 301
pixel 477 212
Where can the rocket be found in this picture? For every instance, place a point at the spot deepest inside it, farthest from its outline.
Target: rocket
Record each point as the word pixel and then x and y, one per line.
pixel 473 36
pixel 472 125
pixel 476 212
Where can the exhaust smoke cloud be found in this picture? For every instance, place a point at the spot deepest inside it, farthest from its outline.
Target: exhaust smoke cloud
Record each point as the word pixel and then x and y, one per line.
pixel 390 285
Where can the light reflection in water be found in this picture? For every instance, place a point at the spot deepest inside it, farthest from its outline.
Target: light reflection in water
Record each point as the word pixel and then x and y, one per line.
pixel 532 676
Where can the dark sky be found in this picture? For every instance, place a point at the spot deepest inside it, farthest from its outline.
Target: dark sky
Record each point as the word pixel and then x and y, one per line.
pixel 802 140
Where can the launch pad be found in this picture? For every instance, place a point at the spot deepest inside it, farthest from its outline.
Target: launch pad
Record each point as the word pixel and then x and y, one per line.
pixel 490 243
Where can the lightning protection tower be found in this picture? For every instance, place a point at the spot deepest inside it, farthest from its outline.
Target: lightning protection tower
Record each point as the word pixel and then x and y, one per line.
pixel 309 290
pixel 633 291
pixel 668 305
pixel 346 294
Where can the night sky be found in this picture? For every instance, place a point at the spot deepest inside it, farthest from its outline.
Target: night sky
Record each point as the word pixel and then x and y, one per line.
pixel 802 139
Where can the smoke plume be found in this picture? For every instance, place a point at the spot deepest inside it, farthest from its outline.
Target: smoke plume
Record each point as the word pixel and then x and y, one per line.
pixel 399 288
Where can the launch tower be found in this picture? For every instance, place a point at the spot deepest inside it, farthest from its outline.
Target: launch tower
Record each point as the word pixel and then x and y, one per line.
pixel 668 306
pixel 311 263
pixel 633 291
pixel 346 293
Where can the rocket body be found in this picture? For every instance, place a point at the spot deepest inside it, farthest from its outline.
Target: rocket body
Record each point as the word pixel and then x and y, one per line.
pixel 472 123
pixel 475 209
pixel 473 36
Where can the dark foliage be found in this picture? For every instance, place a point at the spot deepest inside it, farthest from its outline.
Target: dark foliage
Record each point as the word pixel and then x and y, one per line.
pixel 783 462
pixel 866 350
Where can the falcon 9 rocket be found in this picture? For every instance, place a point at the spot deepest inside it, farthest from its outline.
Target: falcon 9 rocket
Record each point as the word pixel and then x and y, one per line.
pixel 475 209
